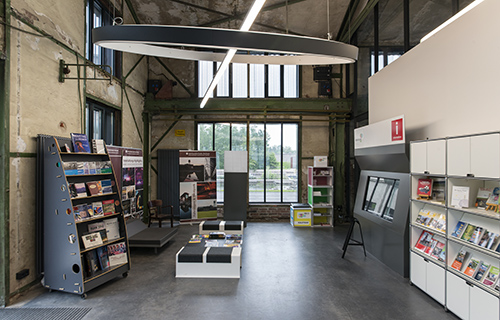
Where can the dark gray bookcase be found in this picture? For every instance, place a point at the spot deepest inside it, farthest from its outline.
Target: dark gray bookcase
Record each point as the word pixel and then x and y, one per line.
pixel 64 256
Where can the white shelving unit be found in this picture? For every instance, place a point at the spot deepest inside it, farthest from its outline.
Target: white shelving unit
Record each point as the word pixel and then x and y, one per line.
pixel 320 195
pixel 469 161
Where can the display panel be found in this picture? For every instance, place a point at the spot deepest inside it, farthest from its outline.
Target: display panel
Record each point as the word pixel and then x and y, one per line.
pixel 380 197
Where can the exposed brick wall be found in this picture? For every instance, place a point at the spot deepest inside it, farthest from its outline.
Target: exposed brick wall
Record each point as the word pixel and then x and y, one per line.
pixel 263 212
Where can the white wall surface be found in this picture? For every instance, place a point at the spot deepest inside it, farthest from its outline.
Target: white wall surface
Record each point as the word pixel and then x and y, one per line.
pixel 447 85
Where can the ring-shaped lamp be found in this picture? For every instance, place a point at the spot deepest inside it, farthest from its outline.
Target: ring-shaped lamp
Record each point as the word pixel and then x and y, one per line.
pixel 157 40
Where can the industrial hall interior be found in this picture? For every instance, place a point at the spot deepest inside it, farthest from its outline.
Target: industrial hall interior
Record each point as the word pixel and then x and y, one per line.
pixel 258 159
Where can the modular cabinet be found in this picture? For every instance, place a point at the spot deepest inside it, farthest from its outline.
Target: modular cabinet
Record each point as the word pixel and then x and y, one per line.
pixel 428 157
pixel 474 156
pixel 70 264
pixel 428 276
pixel 469 302
pixel 320 195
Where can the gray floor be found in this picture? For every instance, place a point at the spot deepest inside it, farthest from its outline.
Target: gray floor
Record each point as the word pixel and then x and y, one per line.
pixel 288 273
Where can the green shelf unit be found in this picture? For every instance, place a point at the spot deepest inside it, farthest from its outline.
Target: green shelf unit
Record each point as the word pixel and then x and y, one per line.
pixel 320 195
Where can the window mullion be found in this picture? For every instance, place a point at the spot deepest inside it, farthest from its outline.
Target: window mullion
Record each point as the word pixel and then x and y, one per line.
pixel 281 164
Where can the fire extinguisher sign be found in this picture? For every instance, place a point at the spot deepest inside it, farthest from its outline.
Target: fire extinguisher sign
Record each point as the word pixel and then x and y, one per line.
pixel 397 129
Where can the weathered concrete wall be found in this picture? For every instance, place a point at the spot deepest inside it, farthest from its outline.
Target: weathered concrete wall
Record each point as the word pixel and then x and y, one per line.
pixel 40 104
pixel 184 70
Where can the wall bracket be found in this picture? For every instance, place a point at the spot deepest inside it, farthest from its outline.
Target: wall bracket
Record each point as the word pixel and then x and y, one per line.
pixel 64 71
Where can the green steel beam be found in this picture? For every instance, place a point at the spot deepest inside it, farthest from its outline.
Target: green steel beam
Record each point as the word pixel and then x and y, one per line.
pixel 133 67
pixel 166 132
pixel 346 22
pixel 132 11
pixel 5 163
pixel 175 77
pixel 347 34
pixel 133 115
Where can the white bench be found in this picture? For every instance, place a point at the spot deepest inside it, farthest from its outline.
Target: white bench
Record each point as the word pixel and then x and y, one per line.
pixel 228 227
pixel 198 261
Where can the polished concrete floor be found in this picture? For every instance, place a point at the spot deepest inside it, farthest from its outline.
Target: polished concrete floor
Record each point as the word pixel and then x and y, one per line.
pixel 288 273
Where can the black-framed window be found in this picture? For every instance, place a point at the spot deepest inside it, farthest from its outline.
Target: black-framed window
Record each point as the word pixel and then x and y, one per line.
pixel 273 157
pixel 102 122
pixel 385 57
pixel 242 80
pixel 100 13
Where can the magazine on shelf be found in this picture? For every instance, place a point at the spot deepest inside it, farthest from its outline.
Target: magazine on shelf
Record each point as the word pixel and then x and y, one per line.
pixel 80 142
pixel 467 234
pixel 117 254
pixel 98 227
pixel 481 270
pixel 491 276
pixel 493 198
pixel 437 251
pixel 431 246
pixel 72 190
pixel 106 186
pixel 112 228
pixel 424 188
pixel 424 241
pixel 459 260
pixel 459 229
pixel 97 207
pixel 422 215
pixel 92 239
pixel 108 207
pixel 460 197
pixel 438 189
pixel 92 187
pixel 483 195
pixel 476 235
pixel 92 167
pixel 81 191
pixel 102 254
pixel 82 167
pixel 92 263
pixel 489 239
pixel 98 146
pixel 70 168
pixel 104 167
pixel 472 267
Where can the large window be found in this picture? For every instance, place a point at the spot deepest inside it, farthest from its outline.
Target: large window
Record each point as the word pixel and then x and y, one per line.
pixel 242 80
pixel 100 13
pixel 273 157
pixel 385 57
pixel 102 122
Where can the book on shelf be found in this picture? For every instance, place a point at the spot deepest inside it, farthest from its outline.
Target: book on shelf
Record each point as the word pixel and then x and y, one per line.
pixel 424 241
pixel 80 142
pixel 441 222
pixel 92 167
pixel 98 146
pixel 459 229
pixel 481 270
pixel 102 254
pixel 438 251
pixel 493 198
pixel 488 239
pixel 459 260
pixel 422 215
pixel 472 267
pixel 92 263
pixel 483 194
pixel 82 167
pixel 81 191
pixel 117 254
pixel 66 148
pixel 477 235
pixel 108 207
pixel 92 239
pixel 467 234
pixel 460 197
pixel 93 188
pixel 491 276
pixel 112 229
pixel 97 207
pixel 106 186
pixel 432 244
pixel 72 190
pixel 77 213
pixel 424 188
pixel 98 227
pixel 70 168
pixel 438 189
pixel 104 167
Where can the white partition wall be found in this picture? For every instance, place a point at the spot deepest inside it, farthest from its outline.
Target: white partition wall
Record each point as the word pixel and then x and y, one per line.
pixel 448 84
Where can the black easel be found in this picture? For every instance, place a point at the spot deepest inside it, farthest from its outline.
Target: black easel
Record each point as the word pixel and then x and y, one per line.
pixel 354 242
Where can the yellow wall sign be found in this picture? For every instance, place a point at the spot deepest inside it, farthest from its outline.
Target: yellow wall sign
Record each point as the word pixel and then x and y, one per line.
pixel 180 133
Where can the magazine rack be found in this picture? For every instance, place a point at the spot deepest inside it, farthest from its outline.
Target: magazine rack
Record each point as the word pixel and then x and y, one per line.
pixel 68 265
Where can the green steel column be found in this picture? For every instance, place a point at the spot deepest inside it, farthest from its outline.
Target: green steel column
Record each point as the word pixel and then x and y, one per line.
pixel 4 157
pixel 337 137
pixel 146 156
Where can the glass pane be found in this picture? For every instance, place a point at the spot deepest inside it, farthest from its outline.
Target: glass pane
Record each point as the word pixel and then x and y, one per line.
pixel 239 137
pixel 87 119
pixel 89 29
pixel 391 206
pixel 290 163
pixel 274 80
pixel 240 80
pixel 221 145
pixel 205 75
pixel 372 182
pixel 273 163
pixel 223 85
pixel 97 124
pixel 381 195
pixel 256 163
pixel 108 129
pixel 392 57
pixel 97 57
pixel 205 136
pixel 257 81
pixel 291 82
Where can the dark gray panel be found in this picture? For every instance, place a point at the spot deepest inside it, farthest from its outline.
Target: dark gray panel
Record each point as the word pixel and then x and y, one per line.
pixel 235 196
pixel 168 178
pixel 391 158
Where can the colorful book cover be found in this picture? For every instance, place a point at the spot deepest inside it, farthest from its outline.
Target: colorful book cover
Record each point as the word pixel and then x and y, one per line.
pixel 108 207
pixel 438 249
pixel 472 267
pixel 438 189
pixel 72 190
pixel 98 227
pixel 92 167
pixel 90 210
pixel 70 168
pixel 81 191
pixel 441 223
pixel 442 255
pixel 104 167
pixel 459 229
pixel 112 228
pixel 422 214
pixel 117 254
pixel 97 207
pixel 476 235
pixel 76 212
pixel 106 186
pixel 82 167
pixel 80 142
pixel 467 234
pixel 483 195
pixel 493 198
pixel 428 250
pixel 102 253
pixel 424 241
pixel 91 240
pixel 459 260
pixel 481 270
pixel 491 276
pixel 424 188
pixel 92 187
pixel 488 239
pixel 460 197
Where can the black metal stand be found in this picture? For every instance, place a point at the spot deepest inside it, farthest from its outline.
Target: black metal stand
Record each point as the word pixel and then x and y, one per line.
pixel 348 241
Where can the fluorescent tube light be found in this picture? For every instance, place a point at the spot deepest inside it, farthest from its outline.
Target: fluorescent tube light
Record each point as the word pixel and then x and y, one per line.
pixel 247 23
pixel 455 17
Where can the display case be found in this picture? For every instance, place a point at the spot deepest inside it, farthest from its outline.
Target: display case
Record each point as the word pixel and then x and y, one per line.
pixel 320 195
pixel 84 233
